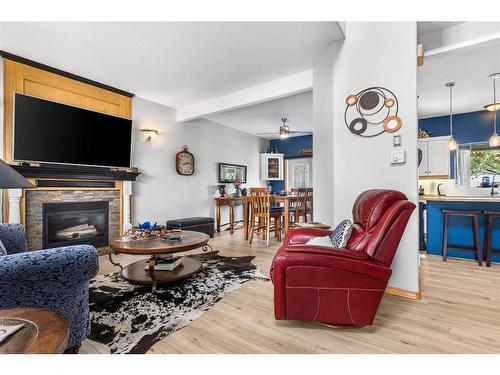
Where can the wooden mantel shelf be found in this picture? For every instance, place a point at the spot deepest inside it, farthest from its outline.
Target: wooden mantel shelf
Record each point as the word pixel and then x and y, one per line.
pixel 75 172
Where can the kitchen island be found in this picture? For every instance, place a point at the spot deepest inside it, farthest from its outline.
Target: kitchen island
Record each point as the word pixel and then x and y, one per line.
pixel 459 228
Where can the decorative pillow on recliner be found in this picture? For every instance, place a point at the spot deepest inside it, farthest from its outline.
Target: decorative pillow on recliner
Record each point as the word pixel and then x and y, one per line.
pixel 340 236
pixel 320 241
pixel 3 250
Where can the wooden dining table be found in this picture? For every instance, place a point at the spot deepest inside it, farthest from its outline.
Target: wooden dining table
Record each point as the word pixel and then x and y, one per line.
pixel 275 199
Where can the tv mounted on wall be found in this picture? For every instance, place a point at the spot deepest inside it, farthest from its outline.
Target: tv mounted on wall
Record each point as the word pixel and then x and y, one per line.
pixel 50 132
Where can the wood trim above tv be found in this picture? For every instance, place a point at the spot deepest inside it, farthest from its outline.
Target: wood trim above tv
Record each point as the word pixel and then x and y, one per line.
pixel 47 68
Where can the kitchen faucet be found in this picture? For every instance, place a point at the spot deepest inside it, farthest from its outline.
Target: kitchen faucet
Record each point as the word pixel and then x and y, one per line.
pixel 493 192
pixel 439 190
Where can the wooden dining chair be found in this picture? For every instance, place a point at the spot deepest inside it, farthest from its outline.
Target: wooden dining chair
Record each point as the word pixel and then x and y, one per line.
pixel 298 206
pixel 262 212
pixel 308 206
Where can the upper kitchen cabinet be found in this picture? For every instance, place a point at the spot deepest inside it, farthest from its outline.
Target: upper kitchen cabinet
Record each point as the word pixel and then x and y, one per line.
pixel 271 166
pixel 435 157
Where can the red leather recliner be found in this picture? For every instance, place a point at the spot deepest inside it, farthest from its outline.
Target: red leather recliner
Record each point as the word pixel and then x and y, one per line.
pixel 341 286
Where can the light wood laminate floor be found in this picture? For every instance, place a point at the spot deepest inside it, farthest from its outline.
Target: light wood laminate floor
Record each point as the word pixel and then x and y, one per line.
pixel 459 313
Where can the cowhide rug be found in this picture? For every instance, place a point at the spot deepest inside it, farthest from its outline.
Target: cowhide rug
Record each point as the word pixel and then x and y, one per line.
pixel 129 319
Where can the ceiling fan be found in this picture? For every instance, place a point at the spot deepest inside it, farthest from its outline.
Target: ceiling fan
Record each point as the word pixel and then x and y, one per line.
pixel 285 131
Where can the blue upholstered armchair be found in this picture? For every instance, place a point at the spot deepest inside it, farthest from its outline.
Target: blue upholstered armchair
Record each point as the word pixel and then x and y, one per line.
pixel 57 279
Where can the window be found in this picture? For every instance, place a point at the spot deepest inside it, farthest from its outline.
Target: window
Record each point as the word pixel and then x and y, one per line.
pixel 476 164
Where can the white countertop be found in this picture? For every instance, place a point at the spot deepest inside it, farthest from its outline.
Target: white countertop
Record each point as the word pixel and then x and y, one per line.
pixel 460 198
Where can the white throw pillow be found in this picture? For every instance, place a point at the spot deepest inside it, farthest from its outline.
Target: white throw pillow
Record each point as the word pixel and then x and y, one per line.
pixel 320 241
pixel 340 236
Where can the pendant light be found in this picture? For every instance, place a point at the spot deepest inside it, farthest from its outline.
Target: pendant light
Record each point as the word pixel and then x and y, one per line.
pixel 452 144
pixel 494 140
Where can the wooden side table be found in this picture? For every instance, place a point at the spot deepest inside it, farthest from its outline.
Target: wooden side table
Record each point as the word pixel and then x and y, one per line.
pixel 230 202
pixel 45 331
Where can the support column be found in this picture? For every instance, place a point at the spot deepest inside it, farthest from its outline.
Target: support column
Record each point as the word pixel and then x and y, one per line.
pixel 127 193
pixel 15 205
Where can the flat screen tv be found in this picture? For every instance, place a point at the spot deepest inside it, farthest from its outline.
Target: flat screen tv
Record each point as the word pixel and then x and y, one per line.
pixel 50 132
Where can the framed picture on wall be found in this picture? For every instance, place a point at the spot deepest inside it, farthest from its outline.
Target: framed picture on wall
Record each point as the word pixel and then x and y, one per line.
pixel 228 173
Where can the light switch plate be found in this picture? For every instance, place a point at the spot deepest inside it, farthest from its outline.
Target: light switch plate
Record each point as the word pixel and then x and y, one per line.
pixel 398 157
pixel 397 140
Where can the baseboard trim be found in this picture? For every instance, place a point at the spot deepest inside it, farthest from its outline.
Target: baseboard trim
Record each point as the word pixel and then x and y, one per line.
pixel 403 293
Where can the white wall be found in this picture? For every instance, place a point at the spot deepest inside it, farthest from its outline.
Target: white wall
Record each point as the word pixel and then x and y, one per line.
pixel 323 137
pixel 373 54
pixel 160 193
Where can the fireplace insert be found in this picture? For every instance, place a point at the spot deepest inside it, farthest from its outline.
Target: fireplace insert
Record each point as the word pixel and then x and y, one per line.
pixel 75 223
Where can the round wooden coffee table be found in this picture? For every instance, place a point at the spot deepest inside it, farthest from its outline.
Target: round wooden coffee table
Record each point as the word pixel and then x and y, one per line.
pixel 136 272
pixel 44 331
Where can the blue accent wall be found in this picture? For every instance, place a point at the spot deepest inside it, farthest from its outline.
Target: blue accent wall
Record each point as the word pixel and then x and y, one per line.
pixel 468 127
pixel 290 147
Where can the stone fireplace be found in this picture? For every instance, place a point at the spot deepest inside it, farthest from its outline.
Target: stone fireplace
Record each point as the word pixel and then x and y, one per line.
pixel 75 223
pixel 56 218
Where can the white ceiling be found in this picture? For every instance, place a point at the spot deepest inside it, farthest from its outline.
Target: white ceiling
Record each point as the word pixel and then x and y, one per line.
pixel 173 63
pixel 469 69
pixel 265 117
pixel 425 27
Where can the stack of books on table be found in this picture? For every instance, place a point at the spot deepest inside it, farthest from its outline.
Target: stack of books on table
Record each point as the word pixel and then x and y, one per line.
pixel 166 264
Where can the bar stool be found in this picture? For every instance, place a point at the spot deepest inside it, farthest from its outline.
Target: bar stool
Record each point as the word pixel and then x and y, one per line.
pixel 489 216
pixel 476 249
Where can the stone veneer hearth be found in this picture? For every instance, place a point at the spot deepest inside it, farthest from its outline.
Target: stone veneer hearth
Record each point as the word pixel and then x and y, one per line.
pixel 36 198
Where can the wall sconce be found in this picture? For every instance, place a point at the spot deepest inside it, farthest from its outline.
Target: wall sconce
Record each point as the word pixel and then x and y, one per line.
pixel 149 133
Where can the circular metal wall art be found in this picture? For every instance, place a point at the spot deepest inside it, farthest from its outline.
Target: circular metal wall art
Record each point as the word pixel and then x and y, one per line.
pixel 369 100
pixel 358 125
pixel 351 100
pixel 389 103
pixel 392 124
pixel 372 112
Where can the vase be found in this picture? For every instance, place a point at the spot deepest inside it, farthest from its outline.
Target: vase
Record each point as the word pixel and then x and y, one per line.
pixel 222 190
pixel 237 193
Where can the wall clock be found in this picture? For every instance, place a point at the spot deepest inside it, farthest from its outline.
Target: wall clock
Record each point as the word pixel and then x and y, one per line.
pixel 184 162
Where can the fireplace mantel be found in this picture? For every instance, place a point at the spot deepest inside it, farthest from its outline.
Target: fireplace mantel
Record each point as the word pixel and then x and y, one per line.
pixel 55 171
pixel 21 208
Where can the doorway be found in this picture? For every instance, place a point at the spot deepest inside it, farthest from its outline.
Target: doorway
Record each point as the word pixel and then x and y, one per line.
pixel 299 173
